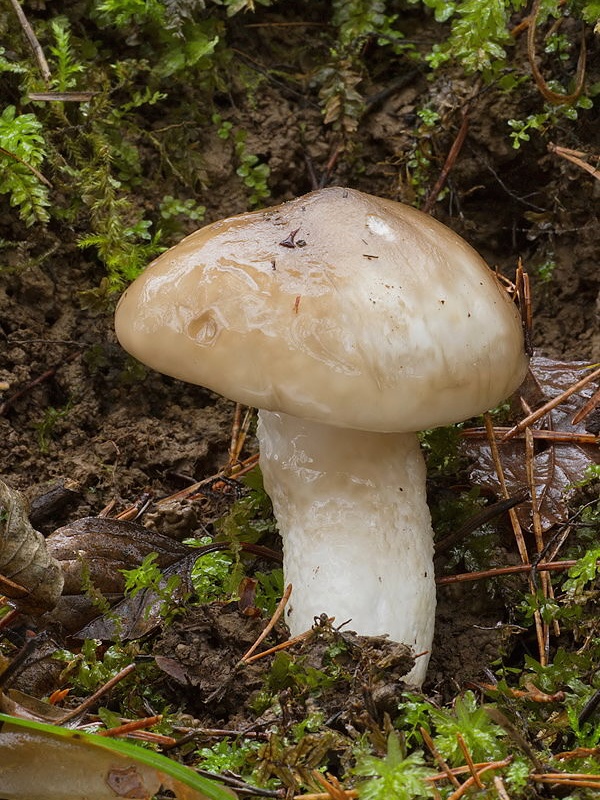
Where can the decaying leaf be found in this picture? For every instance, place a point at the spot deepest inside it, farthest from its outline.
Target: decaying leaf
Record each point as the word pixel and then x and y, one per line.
pixel 558 466
pixel 46 762
pixel 96 549
pixel 135 616
pixel 92 552
pixel 24 558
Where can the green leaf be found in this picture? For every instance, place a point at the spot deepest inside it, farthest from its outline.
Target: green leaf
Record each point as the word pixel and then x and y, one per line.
pixel 395 776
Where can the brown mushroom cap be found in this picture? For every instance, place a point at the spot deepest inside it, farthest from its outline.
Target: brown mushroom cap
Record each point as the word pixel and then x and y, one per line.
pixel 338 307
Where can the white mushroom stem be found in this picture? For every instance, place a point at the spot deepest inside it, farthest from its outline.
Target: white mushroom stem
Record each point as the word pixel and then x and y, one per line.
pixel 352 512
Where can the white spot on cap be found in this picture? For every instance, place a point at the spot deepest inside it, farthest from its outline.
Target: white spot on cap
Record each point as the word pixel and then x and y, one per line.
pixel 380 227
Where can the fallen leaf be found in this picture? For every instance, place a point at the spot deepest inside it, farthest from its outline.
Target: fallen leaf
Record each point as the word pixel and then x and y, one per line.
pixel 558 466
pixel 25 559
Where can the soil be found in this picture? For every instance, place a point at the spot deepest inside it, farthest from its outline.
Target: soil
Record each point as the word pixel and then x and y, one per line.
pixel 77 411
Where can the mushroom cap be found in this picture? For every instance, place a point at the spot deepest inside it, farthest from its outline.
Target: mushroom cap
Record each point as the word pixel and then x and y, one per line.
pixel 338 307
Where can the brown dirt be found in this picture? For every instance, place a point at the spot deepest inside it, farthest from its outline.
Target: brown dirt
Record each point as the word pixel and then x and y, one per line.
pixel 123 432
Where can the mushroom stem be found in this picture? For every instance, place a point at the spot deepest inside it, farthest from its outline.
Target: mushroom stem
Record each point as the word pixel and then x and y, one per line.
pixel 352 512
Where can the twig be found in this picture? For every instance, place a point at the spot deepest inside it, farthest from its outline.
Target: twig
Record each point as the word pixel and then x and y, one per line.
pixel 575 157
pixel 8 618
pixel 531 692
pixel 75 712
pixel 470 763
pixel 580 779
pixel 472 781
pixel 449 163
pixel 33 41
pixel 139 727
pixel 278 612
pixel 516 525
pixel 239 432
pixel 443 765
pixel 246 465
pixel 556 401
pixel 550 566
pixel 523 296
pixel 332 786
pixel 31 168
pixel 235 434
pixel 283 646
pixel 479 519
pixel 526 22
pixel 13 590
pixel 542 628
pixel 500 788
pixel 49 373
pixel 62 97
pixel 579 752
pixel 587 409
pixel 349 793
pixel 560 437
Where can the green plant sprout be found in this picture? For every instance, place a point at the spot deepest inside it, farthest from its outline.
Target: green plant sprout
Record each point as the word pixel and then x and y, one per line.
pixel 397 775
pixel 66 68
pixel 87 670
pixel 148 576
pixel 251 170
pixel 212 574
pixel 46 428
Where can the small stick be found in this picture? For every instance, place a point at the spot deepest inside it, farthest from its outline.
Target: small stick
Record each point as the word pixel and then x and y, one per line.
pixel 556 401
pixel 283 646
pixel 542 628
pixel 579 752
pixel 477 520
pixel 550 566
pixel 33 41
pixel 443 765
pixel 500 788
pixel 75 712
pixel 531 693
pixel 574 156
pixel 514 519
pixel 470 763
pixel 235 433
pixel 463 770
pixel 278 612
pixel 582 779
pixel 31 168
pixel 7 619
pixel 62 97
pixel 349 793
pixel 448 164
pixel 587 409
pixel 49 373
pixel 238 444
pixel 247 464
pixel 571 437
pixel 523 295
pixel 11 589
pixel 332 785
pixel 132 725
pixel 471 781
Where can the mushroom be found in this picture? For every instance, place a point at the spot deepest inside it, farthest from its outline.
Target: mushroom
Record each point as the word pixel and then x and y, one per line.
pixel 351 322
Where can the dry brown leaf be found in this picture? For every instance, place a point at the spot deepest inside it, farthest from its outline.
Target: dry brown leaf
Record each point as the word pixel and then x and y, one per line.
pixel 93 551
pixel 557 465
pixel 24 558
pixel 96 549
pixel 133 617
